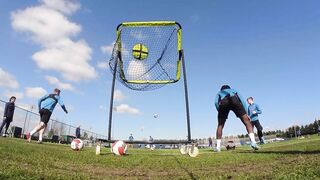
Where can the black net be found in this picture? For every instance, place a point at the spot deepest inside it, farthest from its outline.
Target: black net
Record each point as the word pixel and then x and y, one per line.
pixel 155 66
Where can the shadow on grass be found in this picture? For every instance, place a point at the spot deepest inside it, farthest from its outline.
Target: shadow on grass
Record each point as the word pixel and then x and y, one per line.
pixel 283 152
pixel 185 169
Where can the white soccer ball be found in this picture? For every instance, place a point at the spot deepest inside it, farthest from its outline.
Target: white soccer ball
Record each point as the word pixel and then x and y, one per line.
pixel 119 148
pixel 155 115
pixel 77 144
pixel 193 151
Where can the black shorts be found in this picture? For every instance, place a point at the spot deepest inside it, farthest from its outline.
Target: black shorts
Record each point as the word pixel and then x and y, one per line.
pixel 45 115
pixel 228 104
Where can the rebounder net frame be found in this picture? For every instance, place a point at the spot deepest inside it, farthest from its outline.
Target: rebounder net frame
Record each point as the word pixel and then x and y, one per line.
pixel 162 42
pixel 169 35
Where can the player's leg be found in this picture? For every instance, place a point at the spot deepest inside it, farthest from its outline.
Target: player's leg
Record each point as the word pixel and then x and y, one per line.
pixel 252 124
pixel 221 122
pixel 2 125
pixel 223 113
pixel 7 126
pixel 259 129
pixel 35 130
pixel 43 118
pixel 241 113
pixel 246 121
pixel 41 131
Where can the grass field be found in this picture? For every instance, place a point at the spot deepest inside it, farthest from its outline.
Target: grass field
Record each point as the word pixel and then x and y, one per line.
pixel 294 159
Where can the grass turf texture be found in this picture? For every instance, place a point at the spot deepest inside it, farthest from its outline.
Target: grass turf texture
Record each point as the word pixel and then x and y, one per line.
pixel 294 159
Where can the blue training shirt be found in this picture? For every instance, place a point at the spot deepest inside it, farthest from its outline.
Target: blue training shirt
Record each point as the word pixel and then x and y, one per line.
pixel 251 108
pixel 232 92
pixel 47 102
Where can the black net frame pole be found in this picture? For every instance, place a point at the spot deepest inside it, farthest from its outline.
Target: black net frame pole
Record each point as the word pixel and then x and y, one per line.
pixel 186 93
pixel 112 96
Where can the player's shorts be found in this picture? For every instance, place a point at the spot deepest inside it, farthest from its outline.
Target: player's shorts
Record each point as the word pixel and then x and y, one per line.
pixel 228 104
pixel 45 115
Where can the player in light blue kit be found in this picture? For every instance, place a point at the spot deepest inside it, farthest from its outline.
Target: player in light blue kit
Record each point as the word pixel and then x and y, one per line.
pixel 46 106
pixel 253 111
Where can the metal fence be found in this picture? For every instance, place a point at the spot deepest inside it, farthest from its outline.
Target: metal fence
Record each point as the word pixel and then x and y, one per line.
pixel 27 120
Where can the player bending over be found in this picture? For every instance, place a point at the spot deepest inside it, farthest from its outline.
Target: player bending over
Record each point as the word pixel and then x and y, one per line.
pixel 253 111
pixel 228 100
pixel 46 106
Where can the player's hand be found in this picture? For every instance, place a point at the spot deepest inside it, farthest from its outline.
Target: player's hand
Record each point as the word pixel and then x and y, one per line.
pixel 254 112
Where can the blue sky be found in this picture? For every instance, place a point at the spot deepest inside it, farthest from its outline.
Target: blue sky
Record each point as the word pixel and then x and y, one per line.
pixel 265 49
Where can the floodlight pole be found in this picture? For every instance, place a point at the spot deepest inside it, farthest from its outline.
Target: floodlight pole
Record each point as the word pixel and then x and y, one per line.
pixel 112 95
pixel 186 93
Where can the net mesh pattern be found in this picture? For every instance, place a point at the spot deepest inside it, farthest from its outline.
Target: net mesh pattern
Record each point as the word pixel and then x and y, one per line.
pixel 161 65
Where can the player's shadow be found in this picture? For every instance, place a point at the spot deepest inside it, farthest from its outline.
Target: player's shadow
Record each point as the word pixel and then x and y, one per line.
pixel 192 176
pixel 283 152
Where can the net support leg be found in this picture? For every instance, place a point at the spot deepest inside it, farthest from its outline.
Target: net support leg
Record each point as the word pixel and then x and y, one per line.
pixel 186 94
pixel 111 99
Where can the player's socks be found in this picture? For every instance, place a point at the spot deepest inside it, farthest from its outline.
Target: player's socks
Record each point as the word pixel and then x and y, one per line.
pixel 218 147
pixel 40 137
pixel 251 136
pixel 218 143
pixel 32 132
pixel 253 142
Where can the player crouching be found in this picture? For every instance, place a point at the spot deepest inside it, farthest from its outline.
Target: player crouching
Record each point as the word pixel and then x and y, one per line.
pixel 228 100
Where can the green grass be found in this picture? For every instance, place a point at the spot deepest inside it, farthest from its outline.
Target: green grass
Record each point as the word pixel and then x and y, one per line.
pixel 294 159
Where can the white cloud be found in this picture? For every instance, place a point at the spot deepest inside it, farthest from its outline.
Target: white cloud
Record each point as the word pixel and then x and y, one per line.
pixel 35 92
pixel 124 108
pixel 103 65
pixel 18 95
pixel 107 49
pixel 7 80
pixel 45 25
pixel 55 81
pixel 48 26
pixel 119 96
pixel 63 6
pixel 137 71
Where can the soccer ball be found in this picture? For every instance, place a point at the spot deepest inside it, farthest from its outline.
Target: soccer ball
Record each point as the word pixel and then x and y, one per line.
pixel 140 51
pixel 77 144
pixel 119 148
pixel 155 116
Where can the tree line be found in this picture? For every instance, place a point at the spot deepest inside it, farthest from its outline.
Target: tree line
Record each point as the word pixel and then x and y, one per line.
pixel 293 130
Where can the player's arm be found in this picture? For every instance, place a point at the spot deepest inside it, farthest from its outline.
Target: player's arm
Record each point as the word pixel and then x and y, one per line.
pixel 216 101
pixel 62 105
pixel 5 110
pixel 248 111
pixel 40 101
pixel 258 110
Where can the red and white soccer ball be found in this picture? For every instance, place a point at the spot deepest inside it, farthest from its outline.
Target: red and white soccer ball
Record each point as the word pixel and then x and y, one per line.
pixel 77 144
pixel 119 148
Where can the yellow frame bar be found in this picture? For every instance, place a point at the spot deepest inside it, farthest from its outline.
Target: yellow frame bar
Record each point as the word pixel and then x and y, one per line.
pixel 148 24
